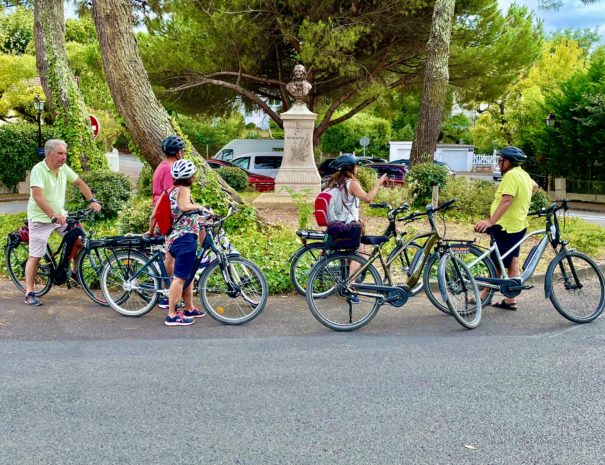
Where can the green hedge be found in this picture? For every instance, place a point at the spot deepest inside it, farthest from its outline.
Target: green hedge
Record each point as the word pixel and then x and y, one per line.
pixel 421 179
pixel 18 153
pixel 235 177
pixel 112 190
pixel 134 215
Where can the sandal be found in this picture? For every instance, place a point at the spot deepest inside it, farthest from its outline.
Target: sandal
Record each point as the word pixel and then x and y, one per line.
pixel 503 304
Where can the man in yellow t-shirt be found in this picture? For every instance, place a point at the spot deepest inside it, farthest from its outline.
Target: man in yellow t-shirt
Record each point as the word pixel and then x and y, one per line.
pixel 509 210
pixel 45 210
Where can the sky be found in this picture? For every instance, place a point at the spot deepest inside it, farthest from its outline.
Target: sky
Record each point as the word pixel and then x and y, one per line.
pixel 573 14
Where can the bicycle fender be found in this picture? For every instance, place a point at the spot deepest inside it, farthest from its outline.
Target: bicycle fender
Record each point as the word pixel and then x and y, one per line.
pixel 442 288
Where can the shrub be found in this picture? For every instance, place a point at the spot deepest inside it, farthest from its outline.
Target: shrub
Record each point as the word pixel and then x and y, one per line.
pixel 421 179
pixel 134 215
pixel 270 250
pixel 235 177
pixel 19 142
pixel 145 181
pixel 393 196
pixel 475 197
pixel 112 190
pixel 367 177
pixel 305 205
pixel 539 200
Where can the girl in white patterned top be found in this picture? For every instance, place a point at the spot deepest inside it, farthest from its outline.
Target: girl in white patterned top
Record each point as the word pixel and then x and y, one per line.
pixel 182 243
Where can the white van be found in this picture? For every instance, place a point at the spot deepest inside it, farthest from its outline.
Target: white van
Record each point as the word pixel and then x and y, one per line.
pixel 266 163
pixel 238 147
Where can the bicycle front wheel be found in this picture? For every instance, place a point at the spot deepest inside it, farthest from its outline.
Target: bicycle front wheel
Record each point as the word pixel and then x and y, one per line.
pixel 127 295
pixel 16 255
pixel 302 262
pixel 485 268
pixel 460 291
pixel 575 285
pixel 333 300
pixel 234 292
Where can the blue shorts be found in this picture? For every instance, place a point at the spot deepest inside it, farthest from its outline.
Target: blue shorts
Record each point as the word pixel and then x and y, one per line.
pixel 507 241
pixel 183 250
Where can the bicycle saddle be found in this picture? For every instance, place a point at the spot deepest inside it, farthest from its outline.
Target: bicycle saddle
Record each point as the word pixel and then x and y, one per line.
pixel 493 229
pixel 374 240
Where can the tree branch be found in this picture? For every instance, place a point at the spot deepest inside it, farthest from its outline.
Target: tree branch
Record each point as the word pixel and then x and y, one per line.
pixel 238 90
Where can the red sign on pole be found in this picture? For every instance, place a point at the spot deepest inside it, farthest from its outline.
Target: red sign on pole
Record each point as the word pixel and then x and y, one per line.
pixel 95 126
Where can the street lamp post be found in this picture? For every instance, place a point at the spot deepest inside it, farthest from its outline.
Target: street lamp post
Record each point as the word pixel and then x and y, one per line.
pixel 550 123
pixel 39 107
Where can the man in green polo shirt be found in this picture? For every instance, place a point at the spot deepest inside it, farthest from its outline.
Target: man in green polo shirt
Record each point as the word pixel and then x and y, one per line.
pixel 509 210
pixel 45 210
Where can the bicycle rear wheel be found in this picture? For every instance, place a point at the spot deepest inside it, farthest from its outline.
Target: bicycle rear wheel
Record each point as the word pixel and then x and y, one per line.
pixel 234 292
pixel 127 296
pixel 301 263
pixel 332 299
pixel 460 291
pixel 484 268
pixel 576 286
pixel 16 255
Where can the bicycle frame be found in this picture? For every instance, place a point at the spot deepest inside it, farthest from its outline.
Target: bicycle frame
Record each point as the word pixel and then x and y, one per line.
pixel 532 264
pixel 433 239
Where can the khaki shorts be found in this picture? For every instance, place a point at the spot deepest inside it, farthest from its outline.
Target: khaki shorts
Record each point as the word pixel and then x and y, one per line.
pixel 39 234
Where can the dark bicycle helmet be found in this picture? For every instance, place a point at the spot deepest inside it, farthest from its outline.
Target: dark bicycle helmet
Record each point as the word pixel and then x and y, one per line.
pixel 344 160
pixel 513 155
pixel 173 145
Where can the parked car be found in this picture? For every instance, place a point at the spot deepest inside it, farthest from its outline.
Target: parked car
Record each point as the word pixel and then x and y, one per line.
pixel 406 162
pixel 497 174
pixel 324 168
pixel 258 182
pixel 368 160
pixel 238 147
pixel 265 163
pixel 395 173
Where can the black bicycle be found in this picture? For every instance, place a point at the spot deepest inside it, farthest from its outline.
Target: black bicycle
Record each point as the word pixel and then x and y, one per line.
pixel 54 267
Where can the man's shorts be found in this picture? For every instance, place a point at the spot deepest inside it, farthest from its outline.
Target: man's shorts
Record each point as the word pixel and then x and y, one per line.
pixel 506 242
pixel 183 250
pixel 39 234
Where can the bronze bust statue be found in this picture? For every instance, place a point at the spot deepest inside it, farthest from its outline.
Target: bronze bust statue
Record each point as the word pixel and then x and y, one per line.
pixel 299 87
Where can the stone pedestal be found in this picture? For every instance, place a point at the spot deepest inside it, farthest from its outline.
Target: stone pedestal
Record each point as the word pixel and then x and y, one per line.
pixel 298 171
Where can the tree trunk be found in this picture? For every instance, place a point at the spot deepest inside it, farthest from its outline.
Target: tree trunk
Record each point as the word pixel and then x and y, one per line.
pixel 62 94
pixel 436 77
pixel 146 120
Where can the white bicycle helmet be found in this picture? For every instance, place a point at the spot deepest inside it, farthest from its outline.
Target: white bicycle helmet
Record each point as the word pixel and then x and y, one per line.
pixel 182 169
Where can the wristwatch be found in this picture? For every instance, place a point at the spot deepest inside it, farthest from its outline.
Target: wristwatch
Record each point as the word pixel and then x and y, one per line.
pixel 93 200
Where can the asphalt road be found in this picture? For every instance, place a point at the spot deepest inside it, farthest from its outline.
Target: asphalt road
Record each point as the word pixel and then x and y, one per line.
pixel 82 385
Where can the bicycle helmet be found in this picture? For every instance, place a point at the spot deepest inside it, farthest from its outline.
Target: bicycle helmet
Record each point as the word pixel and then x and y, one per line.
pixel 514 155
pixel 173 145
pixel 182 169
pixel 344 160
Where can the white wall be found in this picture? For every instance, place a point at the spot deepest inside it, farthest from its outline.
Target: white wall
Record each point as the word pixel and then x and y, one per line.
pixel 459 157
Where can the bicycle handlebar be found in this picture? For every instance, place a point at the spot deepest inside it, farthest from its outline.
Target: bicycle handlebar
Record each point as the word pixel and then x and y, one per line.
pixel 430 210
pixel 550 210
pixel 77 216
